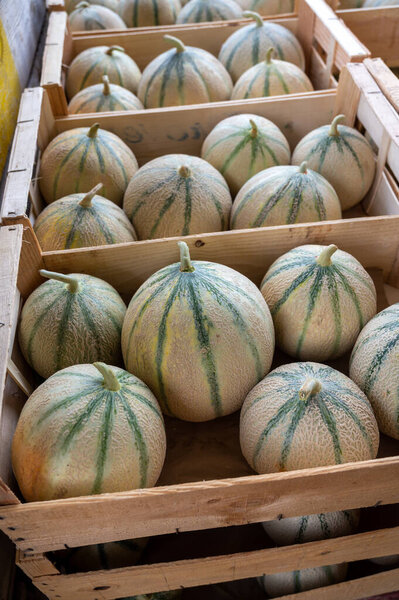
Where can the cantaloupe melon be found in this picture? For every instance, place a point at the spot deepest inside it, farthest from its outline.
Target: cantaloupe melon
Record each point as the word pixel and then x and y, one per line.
pixel 183 75
pixel 89 67
pixel 177 194
pixel 374 367
pixel 268 7
pixel 343 156
pixel 88 429
pixel 197 11
pixel 242 145
pixel 92 17
pixel 282 196
pixel 71 319
pixel 320 299
pixel 200 335
pixel 82 220
pixel 113 555
pixel 70 5
pixel 248 46
pixel 147 13
pixel 271 78
pixel 305 415
pixel 76 159
pixel 281 584
pixel 104 97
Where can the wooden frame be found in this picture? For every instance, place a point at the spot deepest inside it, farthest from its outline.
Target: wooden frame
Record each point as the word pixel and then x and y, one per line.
pixel 327 42
pixel 386 80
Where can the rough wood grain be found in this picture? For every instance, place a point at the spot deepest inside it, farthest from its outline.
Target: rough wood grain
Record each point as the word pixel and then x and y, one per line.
pixel 386 79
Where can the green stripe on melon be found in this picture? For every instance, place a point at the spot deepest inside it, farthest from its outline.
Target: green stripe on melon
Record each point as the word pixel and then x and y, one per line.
pixel 90 17
pixel 294 582
pixel 70 5
pixel 146 13
pixel 179 331
pixel 268 7
pixel 104 97
pixel 197 11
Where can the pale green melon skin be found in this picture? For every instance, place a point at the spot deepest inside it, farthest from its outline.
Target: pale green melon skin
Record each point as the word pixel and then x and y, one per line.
pixel 70 5
pixel 252 84
pixel 56 345
pixel 166 13
pixel 281 584
pixel 93 99
pixel 212 9
pixel 268 7
pixel 46 468
pixel 94 17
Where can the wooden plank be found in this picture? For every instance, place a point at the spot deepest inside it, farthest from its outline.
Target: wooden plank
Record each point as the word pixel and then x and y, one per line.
pixel 386 79
pixel 19 378
pixel 52 74
pixel 7 562
pixel 34 566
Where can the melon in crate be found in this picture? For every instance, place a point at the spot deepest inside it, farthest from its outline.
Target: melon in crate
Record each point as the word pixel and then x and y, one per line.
pixel 92 17
pixel 70 5
pixel 200 335
pixel 197 11
pixel 248 46
pixel 183 75
pixel 374 367
pixel 268 7
pixel 378 3
pixel 242 145
pixel 343 156
pixel 147 13
pixel 77 159
pixel 294 582
pixel 305 415
pixel 271 77
pixel 113 555
pixel 82 220
pixel 320 299
pixel 282 196
pixel 88 429
pixel 71 319
pixel 89 67
pixel 177 194
pixel 104 97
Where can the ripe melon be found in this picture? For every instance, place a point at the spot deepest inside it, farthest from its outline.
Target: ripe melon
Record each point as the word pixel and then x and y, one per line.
pixel 242 145
pixel 113 555
pixel 82 220
pixel 177 194
pixel 298 530
pixel 374 367
pixel 281 584
pixel 77 158
pixel 104 97
pixel 183 75
pixel 271 78
pixel 147 13
pixel 88 429
pixel 200 335
pixel 248 46
pixel 89 67
pixel 268 7
pixel 320 299
pixel 92 17
pixel 71 319
pixel 305 415
pixel 343 156
pixel 70 5
pixel 282 196
pixel 197 11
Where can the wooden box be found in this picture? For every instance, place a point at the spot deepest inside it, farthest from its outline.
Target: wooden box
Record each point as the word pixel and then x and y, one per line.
pixel 327 42
pixel 386 79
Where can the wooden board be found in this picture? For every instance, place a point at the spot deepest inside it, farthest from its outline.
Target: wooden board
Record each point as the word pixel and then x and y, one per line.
pixel 386 79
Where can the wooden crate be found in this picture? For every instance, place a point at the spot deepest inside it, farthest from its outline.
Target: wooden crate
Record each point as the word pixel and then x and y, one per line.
pixel 327 42
pixel 386 79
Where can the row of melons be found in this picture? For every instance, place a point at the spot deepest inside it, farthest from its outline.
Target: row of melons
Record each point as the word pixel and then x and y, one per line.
pixel 188 75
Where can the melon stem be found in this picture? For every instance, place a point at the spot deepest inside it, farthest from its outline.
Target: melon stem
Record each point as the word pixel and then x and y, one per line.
pixel 87 198
pixel 69 280
pixel 92 133
pixel 268 58
pixel 311 387
pixel 111 381
pixel 184 171
pixel 304 167
pixel 178 44
pixel 112 49
pixel 106 89
pixel 185 259
pixel 250 14
pixel 82 4
pixel 254 130
pixel 334 125
pixel 324 259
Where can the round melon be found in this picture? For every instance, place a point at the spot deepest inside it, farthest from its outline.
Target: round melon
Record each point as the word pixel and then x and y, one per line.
pixel 147 13
pixel 377 3
pixel 248 46
pixel 180 331
pixel 91 17
pixel 305 415
pixel 299 530
pixel 70 5
pixel 320 299
pixel 177 194
pixel 268 7
pixel 82 220
pixel 282 196
pixel 77 158
pixel 294 582
pixel 113 555
pixel 197 11
pixel 89 429
pixel 89 67
pixel 71 319
pixel 241 146
pixel 374 367
pixel 271 78
pixel 343 156
pixel 104 97
pixel 184 75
